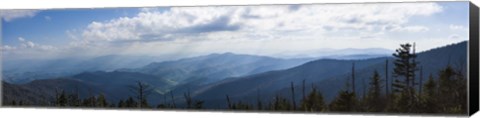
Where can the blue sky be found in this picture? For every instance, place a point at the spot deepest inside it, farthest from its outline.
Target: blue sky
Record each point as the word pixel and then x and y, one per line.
pixel 49 26
pixel 278 31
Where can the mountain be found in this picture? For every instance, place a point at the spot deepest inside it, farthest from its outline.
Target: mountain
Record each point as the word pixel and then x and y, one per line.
pixel 357 56
pixel 23 71
pixel 214 67
pixel 114 85
pixel 116 81
pixel 328 75
pixel 348 53
pixel 162 77
pixel 42 92
pixel 242 77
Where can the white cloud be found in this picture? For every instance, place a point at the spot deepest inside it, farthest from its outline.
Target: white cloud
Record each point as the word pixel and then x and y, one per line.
pixel 7 48
pixel 406 28
pixel 21 39
pixel 27 45
pixel 10 15
pixel 454 36
pixel 151 24
pixel 456 27
pixel 263 30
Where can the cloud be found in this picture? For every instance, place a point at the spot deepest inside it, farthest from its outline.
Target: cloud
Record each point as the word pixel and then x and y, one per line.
pixel 456 27
pixel 406 28
pixel 7 48
pixel 27 45
pixel 260 30
pixel 154 24
pixel 454 36
pixel 21 39
pixel 10 15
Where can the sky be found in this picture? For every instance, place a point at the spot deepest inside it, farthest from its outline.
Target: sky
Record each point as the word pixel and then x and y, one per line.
pixel 269 30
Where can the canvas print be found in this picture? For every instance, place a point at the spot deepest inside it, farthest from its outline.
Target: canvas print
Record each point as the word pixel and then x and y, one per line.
pixel 380 58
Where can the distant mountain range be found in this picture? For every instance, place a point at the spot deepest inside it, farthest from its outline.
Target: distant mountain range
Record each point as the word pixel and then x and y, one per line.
pixel 348 53
pixel 328 75
pixel 214 67
pixel 26 70
pixel 213 76
pixel 23 71
pixel 169 75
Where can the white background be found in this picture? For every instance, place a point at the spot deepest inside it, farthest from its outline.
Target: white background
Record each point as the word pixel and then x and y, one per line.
pixel 81 113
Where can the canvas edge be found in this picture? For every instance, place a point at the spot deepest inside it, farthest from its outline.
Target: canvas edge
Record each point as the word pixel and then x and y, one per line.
pixel 473 59
pixel 1 62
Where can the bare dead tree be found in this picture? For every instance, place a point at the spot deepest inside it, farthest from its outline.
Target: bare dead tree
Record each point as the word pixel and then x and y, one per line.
pixel 421 81
pixel 353 77
pixel 303 89
pixel 228 102
pixel 188 99
pixel 293 95
pixel 173 99
pixel 141 90
pixel 386 78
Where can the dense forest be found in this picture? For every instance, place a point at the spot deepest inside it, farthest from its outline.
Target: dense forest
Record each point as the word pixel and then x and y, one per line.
pixel 401 91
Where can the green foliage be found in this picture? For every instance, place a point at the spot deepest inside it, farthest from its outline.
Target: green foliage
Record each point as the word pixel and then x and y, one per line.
pixel 74 100
pixel 241 106
pixel 405 67
pixel 130 103
pixel 280 104
pixel 198 104
pixel 345 102
pixel 101 101
pixel 121 104
pixel 444 93
pixel 429 96
pixel 313 102
pixel 61 100
pixel 375 102
pixel 453 92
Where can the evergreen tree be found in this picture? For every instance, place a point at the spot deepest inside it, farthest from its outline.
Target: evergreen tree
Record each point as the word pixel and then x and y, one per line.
pixel 345 102
pixel 74 100
pixel 313 102
pixel 61 99
pixel 13 103
pixel 90 102
pixel 281 104
pixel 405 67
pixel 259 101
pixel 101 101
pixel 20 103
pixel 198 104
pixel 452 89
pixel 241 106
pixel 130 103
pixel 121 104
pixel 430 104
pixel 374 99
